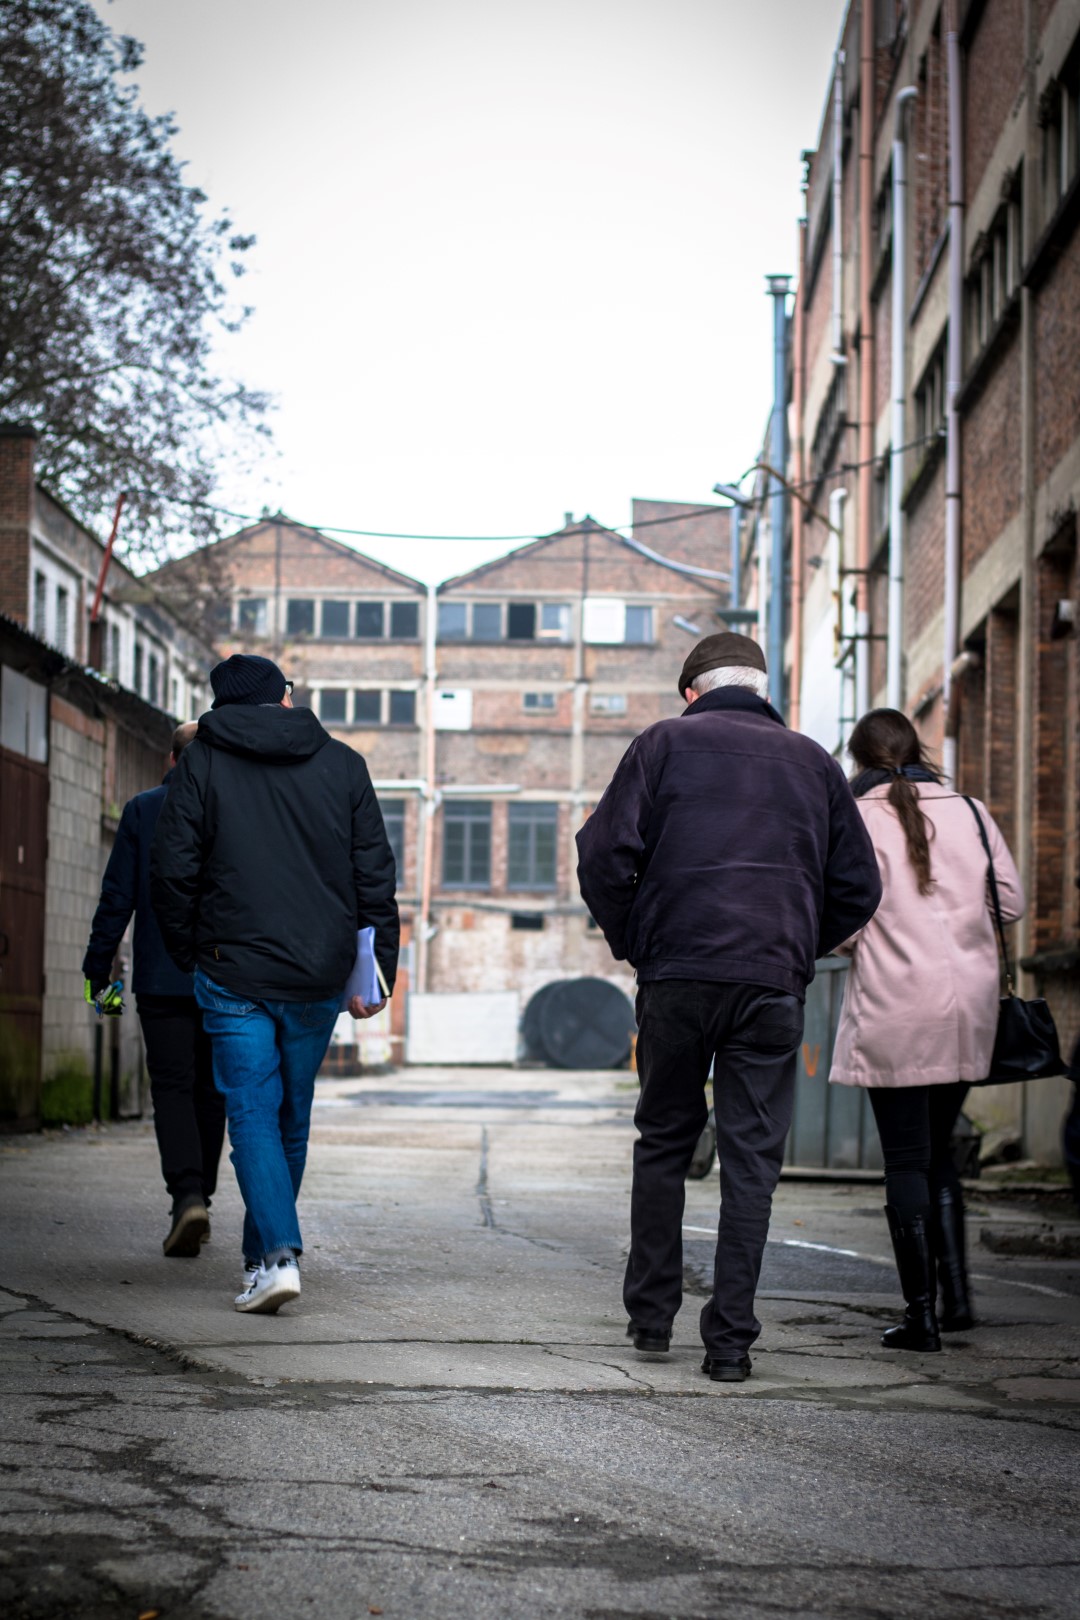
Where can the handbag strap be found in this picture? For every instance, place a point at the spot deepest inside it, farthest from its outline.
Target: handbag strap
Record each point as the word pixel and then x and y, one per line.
pixel 993 892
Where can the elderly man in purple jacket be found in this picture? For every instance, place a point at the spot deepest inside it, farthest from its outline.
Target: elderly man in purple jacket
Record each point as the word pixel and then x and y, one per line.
pixel 725 856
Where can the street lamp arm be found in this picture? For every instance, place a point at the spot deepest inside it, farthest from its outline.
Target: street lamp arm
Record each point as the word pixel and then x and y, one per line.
pixel 764 466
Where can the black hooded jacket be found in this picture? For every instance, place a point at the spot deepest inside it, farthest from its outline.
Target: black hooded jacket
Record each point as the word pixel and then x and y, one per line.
pixel 270 853
pixel 727 848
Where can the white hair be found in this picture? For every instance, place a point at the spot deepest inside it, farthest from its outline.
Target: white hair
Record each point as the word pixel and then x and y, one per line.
pixel 732 675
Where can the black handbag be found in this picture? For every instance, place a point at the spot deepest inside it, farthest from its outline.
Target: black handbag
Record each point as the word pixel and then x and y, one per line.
pixel 1026 1045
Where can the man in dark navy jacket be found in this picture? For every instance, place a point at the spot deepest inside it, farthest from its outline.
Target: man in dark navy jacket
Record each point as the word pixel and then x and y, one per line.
pixel 189 1114
pixel 725 856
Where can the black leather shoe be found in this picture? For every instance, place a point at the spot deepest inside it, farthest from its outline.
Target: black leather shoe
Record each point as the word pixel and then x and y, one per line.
pixel 727 1369
pixel 190 1225
pixel 653 1341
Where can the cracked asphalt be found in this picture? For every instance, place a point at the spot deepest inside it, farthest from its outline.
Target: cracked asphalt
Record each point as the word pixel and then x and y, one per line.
pixel 451 1420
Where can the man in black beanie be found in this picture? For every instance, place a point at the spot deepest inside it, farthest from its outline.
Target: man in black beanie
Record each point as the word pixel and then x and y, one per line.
pixel 269 855
pixel 725 856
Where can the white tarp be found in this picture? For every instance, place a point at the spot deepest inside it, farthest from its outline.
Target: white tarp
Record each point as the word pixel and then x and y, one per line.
pixel 459 1027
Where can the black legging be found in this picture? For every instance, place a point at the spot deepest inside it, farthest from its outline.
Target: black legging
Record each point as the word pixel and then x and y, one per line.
pixel 915 1124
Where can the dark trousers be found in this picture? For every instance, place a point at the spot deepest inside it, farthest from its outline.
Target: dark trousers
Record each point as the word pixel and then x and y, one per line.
pixel 189 1113
pixel 753 1033
pixel 915 1124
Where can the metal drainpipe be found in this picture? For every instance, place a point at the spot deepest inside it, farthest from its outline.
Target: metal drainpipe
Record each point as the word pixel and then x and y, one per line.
pixel 736 554
pixel 838 357
pixel 866 358
pixel 778 291
pixel 837 497
pixel 430 797
pixel 954 361
pixel 894 691
pixel 797 517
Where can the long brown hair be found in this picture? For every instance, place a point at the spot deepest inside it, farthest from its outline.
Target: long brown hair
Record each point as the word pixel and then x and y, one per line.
pixel 886 747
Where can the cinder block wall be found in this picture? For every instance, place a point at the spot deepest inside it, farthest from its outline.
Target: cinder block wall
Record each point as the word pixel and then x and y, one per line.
pixel 72 879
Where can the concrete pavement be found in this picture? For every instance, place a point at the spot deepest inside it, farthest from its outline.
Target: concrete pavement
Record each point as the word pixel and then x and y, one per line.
pixel 451 1419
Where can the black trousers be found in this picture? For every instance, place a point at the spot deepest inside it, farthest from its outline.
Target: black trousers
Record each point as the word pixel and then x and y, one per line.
pixel 189 1112
pixel 754 1034
pixel 915 1124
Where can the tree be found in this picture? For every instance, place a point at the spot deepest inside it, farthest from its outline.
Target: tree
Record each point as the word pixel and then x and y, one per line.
pixel 115 284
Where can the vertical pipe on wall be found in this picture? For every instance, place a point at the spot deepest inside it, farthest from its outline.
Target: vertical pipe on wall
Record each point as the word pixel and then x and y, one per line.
pixel 736 555
pixel 428 804
pixel 954 362
pixel 838 213
pixel 797 518
pixel 778 291
pixel 894 682
pixel 867 98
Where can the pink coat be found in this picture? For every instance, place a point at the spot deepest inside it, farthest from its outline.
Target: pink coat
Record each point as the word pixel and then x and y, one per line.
pixel 921 1000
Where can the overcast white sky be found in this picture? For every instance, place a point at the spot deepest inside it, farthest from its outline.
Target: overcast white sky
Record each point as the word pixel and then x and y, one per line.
pixel 511 253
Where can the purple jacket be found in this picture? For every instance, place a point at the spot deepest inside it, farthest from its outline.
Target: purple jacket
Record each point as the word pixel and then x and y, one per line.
pixel 727 848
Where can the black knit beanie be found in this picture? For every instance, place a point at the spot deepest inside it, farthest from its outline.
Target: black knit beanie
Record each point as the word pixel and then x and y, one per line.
pixel 246 678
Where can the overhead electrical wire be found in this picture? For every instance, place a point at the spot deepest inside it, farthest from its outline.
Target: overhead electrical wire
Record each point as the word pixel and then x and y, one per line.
pixel 583 527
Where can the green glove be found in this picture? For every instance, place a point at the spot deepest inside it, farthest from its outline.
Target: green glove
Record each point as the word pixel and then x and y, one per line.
pixel 108 1001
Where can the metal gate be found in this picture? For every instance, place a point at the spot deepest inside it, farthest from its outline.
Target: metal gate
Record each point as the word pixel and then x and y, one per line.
pixel 24 798
pixel 833 1127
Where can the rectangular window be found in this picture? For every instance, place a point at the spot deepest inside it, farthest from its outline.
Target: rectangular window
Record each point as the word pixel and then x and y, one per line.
pixel 930 398
pixel 152 679
pixel 369 620
pixel 554 621
pixel 608 703
pixel 114 653
pixel 174 700
pixel 393 814
pixel 137 676
pixel 486 621
pixel 402 708
pixel 40 599
pixel 334 706
pixel 335 620
pixel 300 617
pixel 533 843
pixel 62 637
pixel 251 615
pixel 639 625
pixel 405 620
pixel 367 708
pixel 521 621
pixel 538 702
pixel 466 844
pixel 452 621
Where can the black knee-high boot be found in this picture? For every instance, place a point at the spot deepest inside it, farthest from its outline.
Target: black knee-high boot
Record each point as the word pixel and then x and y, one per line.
pixel 947 1241
pixel 911 1245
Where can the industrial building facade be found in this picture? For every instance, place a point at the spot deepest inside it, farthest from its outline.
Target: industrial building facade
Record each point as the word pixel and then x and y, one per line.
pixel 491 711
pixel 934 431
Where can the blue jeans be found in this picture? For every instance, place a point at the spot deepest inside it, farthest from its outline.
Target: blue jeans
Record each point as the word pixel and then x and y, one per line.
pixel 266 1056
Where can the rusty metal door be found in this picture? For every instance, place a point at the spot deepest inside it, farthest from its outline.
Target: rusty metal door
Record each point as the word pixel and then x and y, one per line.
pixel 24 800
pixel 833 1127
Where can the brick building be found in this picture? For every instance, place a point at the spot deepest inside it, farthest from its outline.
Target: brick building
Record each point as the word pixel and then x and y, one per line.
pixel 950 458
pixel 549 662
pixel 491 711
pixel 75 744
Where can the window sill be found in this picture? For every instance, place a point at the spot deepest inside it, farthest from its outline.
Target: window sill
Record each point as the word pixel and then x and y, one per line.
pixel 981 368
pixel 922 477
pixel 1054 239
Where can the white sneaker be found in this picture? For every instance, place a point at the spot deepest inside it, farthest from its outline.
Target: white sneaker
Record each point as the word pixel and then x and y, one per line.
pixel 251 1271
pixel 273 1286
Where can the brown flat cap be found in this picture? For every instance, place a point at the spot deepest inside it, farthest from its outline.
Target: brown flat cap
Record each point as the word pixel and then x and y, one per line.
pixel 719 651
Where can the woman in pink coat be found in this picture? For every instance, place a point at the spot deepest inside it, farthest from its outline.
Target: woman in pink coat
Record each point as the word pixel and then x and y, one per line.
pixel 920 1005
